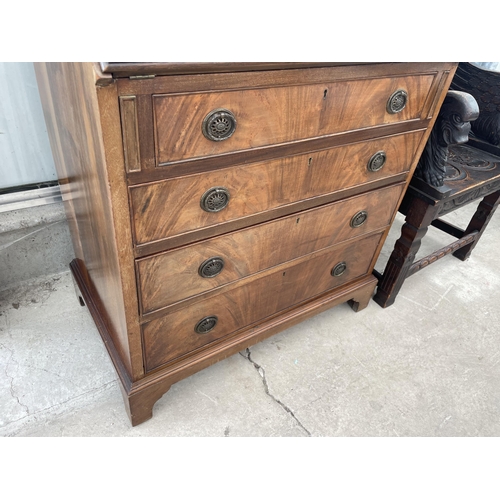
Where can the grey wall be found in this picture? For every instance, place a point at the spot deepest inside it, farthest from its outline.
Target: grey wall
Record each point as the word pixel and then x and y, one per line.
pixel 25 155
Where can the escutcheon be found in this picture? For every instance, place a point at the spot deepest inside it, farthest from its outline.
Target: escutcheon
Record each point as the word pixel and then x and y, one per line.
pixel 215 199
pixel 211 267
pixel 206 324
pixel 219 125
pixel 359 218
pixel 339 269
pixel 397 101
pixel 377 161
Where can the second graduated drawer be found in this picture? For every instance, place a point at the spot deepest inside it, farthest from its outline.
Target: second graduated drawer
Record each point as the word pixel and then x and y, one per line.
pixel 175 275
pixel 164 210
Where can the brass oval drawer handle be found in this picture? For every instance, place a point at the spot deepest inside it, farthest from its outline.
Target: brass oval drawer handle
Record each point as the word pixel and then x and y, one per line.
pixel 219 125
pixel 206 324
pixel 397 101
pixel 377 161
pixel 359 218
pixel 215 199
pixel 211 267
pixel 339 269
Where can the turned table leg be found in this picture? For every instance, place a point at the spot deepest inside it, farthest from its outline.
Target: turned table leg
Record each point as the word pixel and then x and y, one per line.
pixel 420 215
pixel 479 222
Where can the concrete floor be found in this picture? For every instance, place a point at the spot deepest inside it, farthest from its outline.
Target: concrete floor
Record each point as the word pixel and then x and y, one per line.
pixel 427 366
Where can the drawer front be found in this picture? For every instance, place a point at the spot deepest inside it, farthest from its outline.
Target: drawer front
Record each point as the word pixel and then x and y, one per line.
pixel 256 298
pixel 207 265
pixel 184 124
pixel 172 207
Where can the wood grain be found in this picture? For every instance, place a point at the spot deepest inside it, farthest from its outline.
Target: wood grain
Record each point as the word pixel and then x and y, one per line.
pixel 259 247
pixel 144 393
pixel 296 149
pixel 120 69
pixel 208 82
pixel 280 114
pixel 118 195
pixel 72 114
pixel 130 128
pixel 266 153
pixel 165 209
pixel 254 299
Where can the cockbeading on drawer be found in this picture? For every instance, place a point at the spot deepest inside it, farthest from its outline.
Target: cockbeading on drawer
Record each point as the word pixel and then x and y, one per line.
pixel 201 267
pixel 253 299
pixel 168 213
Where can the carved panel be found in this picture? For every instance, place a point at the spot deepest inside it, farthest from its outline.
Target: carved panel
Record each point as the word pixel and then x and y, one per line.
pixel 452 127
pixel 485 87
pixel 442 252
pixel 475 194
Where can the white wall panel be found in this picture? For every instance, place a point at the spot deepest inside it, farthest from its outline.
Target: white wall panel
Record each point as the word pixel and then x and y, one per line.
pixel 25 155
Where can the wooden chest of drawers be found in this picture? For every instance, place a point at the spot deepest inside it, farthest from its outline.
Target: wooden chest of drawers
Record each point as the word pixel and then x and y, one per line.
pixel 212 205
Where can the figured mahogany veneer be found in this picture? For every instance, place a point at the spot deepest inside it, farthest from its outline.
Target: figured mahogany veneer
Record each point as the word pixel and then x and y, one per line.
pixel 280 114
pixel 260 247
pixel 306 217
pixel 163 210
pixel 255 298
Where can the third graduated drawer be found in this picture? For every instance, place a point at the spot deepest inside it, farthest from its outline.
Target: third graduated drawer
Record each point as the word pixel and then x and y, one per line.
pixel 174 212
pixel 251 301
pixel 177 275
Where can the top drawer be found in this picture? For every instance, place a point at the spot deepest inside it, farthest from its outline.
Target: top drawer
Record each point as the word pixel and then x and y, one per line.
pixel 187 126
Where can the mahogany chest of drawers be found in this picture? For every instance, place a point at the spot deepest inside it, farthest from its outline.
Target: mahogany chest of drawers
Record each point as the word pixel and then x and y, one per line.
pixel 212 205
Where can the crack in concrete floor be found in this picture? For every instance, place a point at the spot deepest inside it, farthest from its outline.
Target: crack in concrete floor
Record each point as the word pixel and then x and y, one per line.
pixel 67 409
pixel 262 373
pixel 12 391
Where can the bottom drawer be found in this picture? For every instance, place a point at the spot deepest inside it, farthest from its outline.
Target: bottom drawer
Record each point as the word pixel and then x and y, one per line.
pixel 251 300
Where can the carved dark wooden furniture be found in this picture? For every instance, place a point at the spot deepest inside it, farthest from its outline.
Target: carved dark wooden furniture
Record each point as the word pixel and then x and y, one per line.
pixel 212 205
pixel 482 80
pixel 461 174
